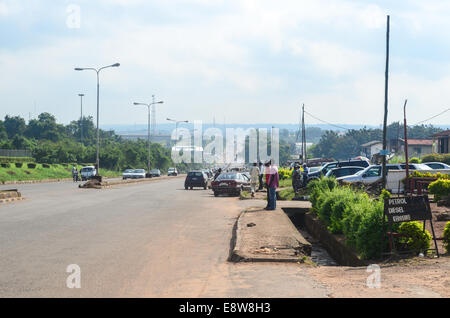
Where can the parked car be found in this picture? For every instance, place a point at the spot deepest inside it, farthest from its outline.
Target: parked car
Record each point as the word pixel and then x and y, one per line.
pixel 437 165
pixel 342 172
pixel 337 164
pixel 373 173
pixel 196 179
pixel 172 172
pixel 155 173
pixel 88 172
pixel 128 174
pixel 230 183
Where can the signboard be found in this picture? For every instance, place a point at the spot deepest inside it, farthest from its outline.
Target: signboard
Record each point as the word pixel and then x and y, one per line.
pixel 406 209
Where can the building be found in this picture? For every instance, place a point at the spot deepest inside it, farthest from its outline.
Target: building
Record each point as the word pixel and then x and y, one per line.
pixel 371 148
pixel 419 147
pixel 442 141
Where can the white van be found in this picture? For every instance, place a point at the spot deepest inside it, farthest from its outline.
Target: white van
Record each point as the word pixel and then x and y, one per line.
pixel 88 172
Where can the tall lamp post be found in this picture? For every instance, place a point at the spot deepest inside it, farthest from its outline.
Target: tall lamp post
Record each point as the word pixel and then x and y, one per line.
pixel 98 106
pixel 176 127
pixel 149 106
pixel 81 118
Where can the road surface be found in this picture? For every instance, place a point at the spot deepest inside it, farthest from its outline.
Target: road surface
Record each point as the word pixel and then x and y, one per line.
pixel 144 240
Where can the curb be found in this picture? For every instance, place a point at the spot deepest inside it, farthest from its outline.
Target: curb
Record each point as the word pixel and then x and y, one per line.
pixel 109 184
pixel 236 254
pixel 36 181
pixel 11 200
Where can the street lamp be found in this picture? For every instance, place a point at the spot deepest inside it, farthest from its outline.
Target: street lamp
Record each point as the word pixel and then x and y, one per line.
pixel 81 118
pixel 98 105
pixel 148 132
pixel 176 127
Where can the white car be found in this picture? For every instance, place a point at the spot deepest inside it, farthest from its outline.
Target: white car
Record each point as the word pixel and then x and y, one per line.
pixel 373 173
pixel 88 172
pixel 437 165
pixel 127 174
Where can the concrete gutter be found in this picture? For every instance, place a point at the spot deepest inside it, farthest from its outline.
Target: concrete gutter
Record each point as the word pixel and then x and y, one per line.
pixel 10 196
pixel 267 236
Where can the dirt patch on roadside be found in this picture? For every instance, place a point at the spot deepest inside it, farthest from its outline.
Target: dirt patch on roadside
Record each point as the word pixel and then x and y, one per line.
pixel 409 278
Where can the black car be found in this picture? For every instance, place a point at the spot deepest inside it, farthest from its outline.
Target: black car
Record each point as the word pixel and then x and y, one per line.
pixel 196 179
pixel 337 164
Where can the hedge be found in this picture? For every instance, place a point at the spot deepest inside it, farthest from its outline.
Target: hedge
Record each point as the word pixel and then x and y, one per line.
pixel 437 158
pixel 360 218
pixel 439 188
pixel 16 159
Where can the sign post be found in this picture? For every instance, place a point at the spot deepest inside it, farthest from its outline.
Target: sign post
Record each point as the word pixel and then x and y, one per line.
pixel 406 209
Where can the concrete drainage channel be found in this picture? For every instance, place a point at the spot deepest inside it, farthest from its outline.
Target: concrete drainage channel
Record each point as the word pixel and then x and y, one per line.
pixel 327 249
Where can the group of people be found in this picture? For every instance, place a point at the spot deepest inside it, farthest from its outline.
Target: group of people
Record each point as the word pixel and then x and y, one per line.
pixel 299 177
pixel 75 174
pixel 271 181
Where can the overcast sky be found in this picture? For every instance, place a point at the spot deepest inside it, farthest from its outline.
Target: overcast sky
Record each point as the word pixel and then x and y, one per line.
pixel 243 61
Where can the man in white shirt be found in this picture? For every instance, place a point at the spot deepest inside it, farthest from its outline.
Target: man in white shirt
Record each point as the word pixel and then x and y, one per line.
pixel 254 177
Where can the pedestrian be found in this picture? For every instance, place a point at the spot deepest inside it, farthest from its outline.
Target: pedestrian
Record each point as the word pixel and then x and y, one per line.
pixel 272 178
pixel 305 174
pixel 296 178
pixel 254 176
pixel 261 176
pixel 218 172
pixel 75 177
pixel 73 172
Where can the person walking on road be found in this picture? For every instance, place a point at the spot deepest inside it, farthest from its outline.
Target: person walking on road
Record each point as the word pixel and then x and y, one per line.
pixel 218 172
pixel 272 178
pixel 254 176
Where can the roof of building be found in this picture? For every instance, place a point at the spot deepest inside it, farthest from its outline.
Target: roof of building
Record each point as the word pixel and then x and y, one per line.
pixel 420 142
pixel 444 133
pixel 371 143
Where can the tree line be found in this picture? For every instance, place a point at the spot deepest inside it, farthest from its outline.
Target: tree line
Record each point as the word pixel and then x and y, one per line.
pixel 51 142
pixel 342 146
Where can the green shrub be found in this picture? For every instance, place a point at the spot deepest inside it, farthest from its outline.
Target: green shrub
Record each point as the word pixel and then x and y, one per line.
pixel 437 158
pixel 439 188
pixel 16 159
pixel 370 234
pixel 31 166
pixel 414 160
pixel 353 216
pixel 416 239
pixel 317 187
pixel 18 164
pixel 446 237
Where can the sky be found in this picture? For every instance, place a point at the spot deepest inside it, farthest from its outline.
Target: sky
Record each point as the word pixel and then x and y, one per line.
pixel 235 61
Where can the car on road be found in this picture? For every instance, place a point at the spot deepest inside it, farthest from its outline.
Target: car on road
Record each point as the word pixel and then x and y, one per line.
pixel 197 179
pixel 88 172
pixel 343 171
pixel 337 164
pixel 172 172
pixel 128 174
pixel 230 183
pixel 155 173
pixel 437 165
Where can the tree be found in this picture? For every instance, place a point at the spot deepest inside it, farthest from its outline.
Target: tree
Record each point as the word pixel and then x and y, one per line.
pixel 14 126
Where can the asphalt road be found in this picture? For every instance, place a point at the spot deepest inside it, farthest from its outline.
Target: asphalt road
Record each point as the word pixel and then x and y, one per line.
pixel 145 240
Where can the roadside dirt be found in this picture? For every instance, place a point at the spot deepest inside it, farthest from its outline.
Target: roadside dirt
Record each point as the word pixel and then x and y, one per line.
pixel 412 278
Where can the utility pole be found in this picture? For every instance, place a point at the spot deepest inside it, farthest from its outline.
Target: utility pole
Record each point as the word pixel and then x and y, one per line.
pixel 153 116
pixel 406 147
pixel 385 152
pixel 304 160
pixel 81 118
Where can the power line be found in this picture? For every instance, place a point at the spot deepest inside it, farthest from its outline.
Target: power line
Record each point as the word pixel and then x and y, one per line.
pixel 433 117
pixel 323 121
